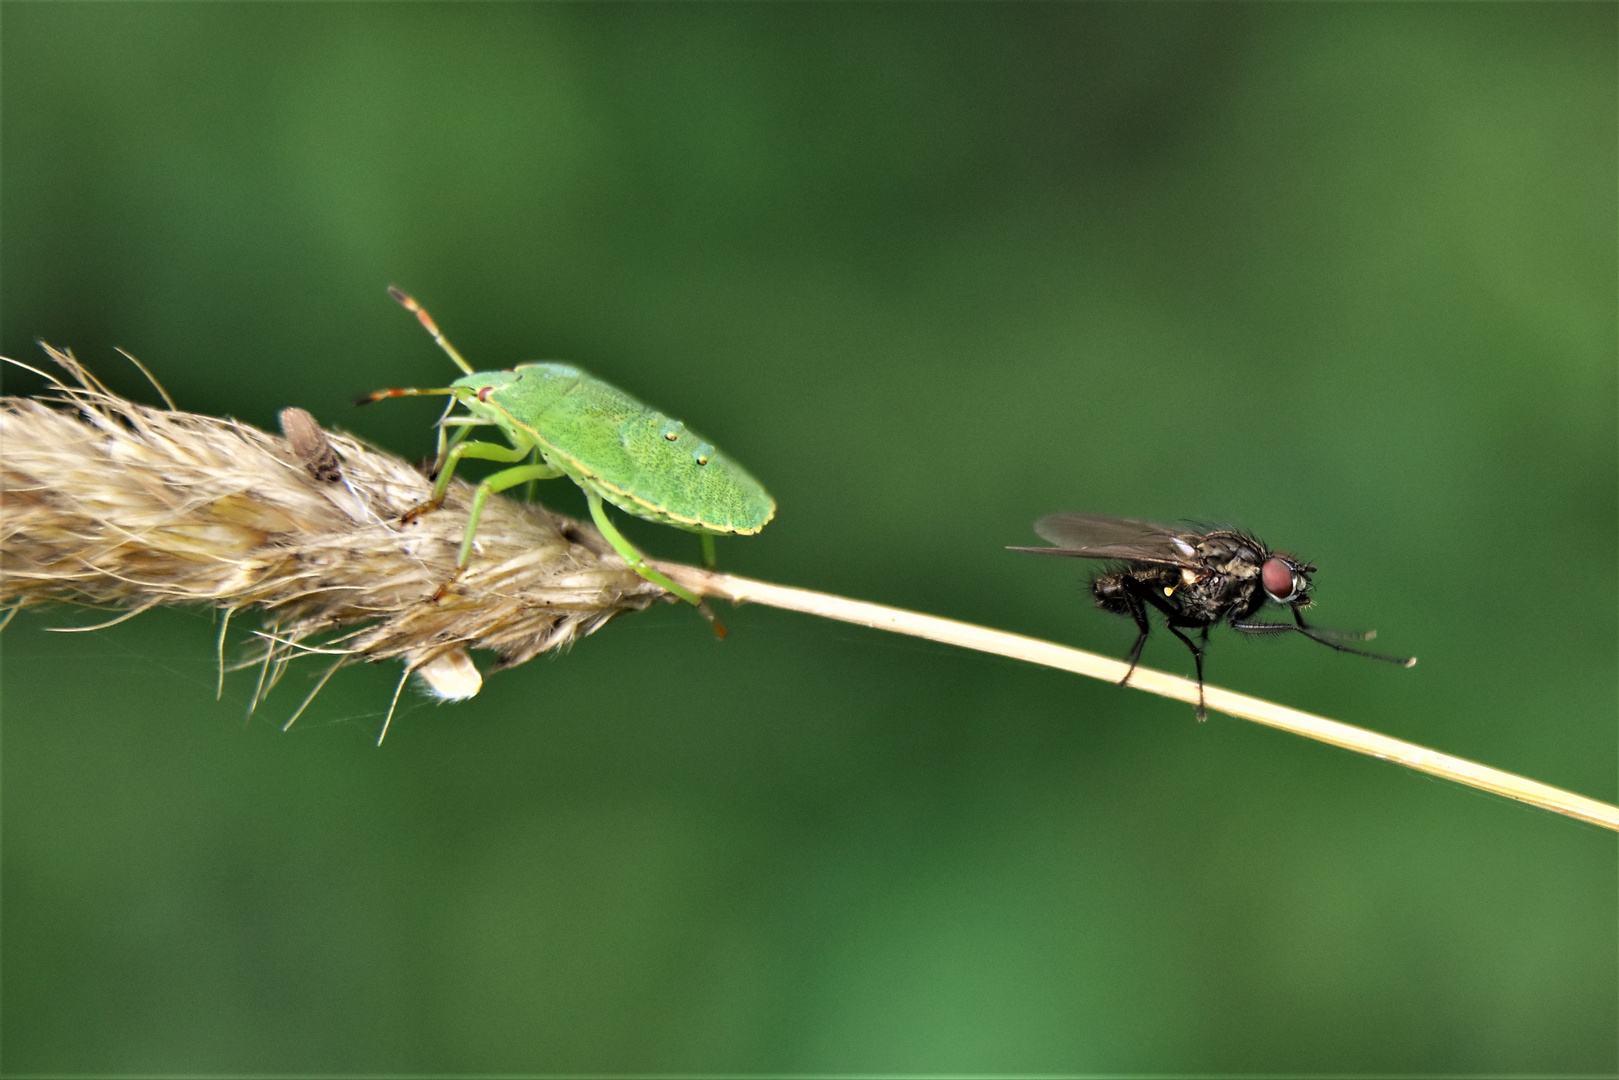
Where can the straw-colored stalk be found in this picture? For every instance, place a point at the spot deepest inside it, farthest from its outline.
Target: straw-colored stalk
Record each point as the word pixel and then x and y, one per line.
pixel 119 505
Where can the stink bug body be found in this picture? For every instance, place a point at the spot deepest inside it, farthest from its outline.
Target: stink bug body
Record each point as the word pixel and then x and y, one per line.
pixel 613 446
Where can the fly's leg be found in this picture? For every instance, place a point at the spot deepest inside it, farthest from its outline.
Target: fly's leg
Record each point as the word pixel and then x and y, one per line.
pixel 1171 617
pixel 637 562
pixel 1261 628
pixel 1317 635
pixel 1138 613
pixel 485 450
pixel 631 554
pixel 1117 595
pixel 1202 648
pixel 1197 655
pixel 707 541
pixel 500 481
pixel 438 457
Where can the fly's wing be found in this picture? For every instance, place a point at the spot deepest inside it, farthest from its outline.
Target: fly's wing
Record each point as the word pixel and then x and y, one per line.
pixel 1097 536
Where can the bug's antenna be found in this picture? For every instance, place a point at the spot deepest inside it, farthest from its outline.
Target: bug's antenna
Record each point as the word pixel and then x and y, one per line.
pixel 383 395
pixel 408 302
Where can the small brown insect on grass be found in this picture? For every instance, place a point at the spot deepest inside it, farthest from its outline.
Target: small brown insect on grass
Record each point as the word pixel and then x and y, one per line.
pixel 310 445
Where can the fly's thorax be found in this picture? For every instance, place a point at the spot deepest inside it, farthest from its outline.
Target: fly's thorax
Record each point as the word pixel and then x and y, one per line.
pixel 1238 572
pixel 1243 604
pixel 1230 550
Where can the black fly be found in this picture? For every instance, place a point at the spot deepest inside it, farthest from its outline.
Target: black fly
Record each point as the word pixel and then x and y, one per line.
pixel 1194 579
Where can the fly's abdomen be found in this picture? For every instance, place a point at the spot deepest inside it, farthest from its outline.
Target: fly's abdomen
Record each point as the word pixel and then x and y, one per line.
pixel 1109 593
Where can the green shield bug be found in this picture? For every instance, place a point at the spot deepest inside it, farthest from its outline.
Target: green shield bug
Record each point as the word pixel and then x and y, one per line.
pixel 565 422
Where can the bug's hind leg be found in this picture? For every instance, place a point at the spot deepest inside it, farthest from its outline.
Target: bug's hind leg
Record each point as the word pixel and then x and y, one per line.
pixel 637 562
pixel 1197 656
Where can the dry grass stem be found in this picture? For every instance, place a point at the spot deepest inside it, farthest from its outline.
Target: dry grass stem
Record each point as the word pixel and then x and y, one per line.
pixel 108 503
pixel 742 590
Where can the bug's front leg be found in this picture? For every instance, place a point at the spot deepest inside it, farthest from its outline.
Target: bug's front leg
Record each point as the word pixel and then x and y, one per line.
pixel 446 445
pixel 485 450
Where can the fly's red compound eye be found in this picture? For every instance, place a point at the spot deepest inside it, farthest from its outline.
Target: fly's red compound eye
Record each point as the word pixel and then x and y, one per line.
pixel 1277 577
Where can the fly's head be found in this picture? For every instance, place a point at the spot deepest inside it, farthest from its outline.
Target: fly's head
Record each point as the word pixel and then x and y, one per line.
pixel 1286 580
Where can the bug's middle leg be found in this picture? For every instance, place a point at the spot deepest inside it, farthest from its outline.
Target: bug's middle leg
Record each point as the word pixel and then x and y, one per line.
pixel 495 482
pixel 487 451
pixel 500 481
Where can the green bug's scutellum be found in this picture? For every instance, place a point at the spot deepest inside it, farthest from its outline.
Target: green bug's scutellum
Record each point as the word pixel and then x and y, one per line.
pixel 561 421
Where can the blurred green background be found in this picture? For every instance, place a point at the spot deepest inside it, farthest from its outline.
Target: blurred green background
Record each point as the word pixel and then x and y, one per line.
pixel 1341 274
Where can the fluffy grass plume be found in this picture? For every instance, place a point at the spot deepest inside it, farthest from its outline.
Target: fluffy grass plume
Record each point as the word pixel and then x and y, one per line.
pixel 113 504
